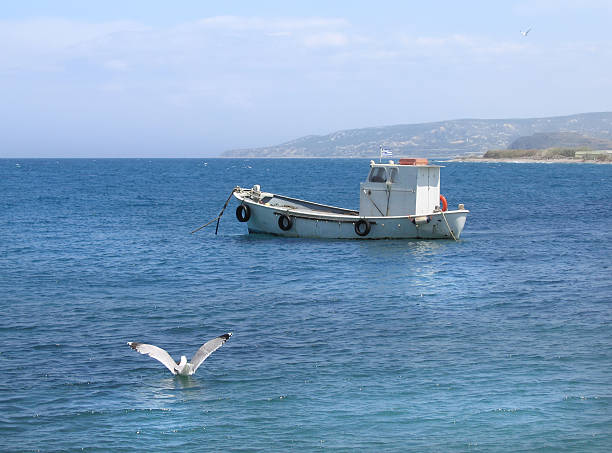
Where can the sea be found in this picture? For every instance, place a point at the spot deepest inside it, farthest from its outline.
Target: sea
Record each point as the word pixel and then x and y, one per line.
pixel 501 341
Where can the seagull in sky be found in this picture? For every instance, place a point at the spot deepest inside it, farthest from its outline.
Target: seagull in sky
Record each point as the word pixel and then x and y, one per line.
pixel 183 368
pixel 524 33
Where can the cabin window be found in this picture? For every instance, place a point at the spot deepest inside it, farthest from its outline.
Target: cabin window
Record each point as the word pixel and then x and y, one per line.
pixel 393 174
pixel 378 174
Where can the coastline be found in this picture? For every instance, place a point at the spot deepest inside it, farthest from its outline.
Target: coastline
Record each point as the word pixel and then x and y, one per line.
pixel 509 160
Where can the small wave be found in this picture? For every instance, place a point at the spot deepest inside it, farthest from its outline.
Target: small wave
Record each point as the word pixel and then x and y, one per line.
pixel 47 347
pixel 585 398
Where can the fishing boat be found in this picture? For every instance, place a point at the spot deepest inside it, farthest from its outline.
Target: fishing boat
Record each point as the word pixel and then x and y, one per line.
pixel 397 201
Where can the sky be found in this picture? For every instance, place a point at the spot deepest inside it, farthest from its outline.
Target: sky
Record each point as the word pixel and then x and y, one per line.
pixel 148 78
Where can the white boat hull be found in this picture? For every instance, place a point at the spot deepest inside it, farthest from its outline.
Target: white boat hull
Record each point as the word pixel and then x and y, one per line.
pixel 309 222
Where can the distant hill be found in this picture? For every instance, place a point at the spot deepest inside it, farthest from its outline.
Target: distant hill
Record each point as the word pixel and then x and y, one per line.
pixel 440 139
pixel 544 140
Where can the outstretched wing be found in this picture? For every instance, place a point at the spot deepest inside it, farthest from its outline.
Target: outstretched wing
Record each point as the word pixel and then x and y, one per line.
pixel 207 349
pixel 155 352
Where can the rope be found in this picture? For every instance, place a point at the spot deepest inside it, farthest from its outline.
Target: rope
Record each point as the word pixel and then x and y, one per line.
pixel 205 225
pixel 370 198
pixel 448 226
pixel 218 218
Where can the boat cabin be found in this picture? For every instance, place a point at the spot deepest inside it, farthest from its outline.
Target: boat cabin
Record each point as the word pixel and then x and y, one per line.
pixel 410 187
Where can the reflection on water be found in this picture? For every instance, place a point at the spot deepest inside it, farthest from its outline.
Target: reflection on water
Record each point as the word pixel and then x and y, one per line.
pixel 414 247
pixel 172 387
pixel 406 259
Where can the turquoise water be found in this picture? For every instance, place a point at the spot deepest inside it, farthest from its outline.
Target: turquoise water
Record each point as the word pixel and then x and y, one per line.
pixel 499 342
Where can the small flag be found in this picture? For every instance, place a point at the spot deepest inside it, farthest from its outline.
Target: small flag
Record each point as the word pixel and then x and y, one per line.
pixel 385 153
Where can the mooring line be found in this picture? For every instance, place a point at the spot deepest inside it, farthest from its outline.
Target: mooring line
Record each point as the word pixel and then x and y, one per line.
pixel 218 218
pixel 205 225
pixel 448 226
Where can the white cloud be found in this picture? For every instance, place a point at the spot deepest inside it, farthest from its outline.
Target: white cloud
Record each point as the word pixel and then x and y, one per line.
pixel 112 87
pixel 461 45
pixel 223 44
pixel 268 24
pixel 44 44
pixel 327 39
pixel 116 65
pixel 48 35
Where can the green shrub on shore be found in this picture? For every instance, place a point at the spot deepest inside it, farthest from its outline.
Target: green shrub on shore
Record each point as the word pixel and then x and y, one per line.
pixel 561 153
pixel 549 153
pixel 510 153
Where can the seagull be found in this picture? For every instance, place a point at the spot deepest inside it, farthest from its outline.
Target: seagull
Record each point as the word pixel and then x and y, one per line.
pixel 183 368
pixel 524 33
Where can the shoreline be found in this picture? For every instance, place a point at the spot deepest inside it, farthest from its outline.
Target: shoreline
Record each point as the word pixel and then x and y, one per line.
pixel 509 160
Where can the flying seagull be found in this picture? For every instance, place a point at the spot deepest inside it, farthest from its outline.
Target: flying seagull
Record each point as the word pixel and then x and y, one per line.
pixel 524 33
pixel 183 368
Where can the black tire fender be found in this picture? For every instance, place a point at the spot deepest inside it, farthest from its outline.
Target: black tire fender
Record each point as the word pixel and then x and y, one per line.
pixel 362 227
pixel 243 213
pixel 285 222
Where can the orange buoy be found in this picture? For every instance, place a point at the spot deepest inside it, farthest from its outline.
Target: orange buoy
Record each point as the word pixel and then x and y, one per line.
pixel 444 203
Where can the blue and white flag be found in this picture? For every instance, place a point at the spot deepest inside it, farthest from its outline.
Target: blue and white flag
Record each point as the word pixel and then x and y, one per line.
pixel 385 153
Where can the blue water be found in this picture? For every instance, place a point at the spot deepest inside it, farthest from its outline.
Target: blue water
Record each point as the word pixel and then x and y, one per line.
pixel 499 342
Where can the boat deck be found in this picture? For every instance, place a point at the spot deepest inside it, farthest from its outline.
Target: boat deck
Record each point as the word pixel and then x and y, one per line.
pixel 304 206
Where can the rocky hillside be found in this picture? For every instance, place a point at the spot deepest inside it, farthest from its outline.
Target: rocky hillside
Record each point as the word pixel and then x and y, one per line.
pixel 440 139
